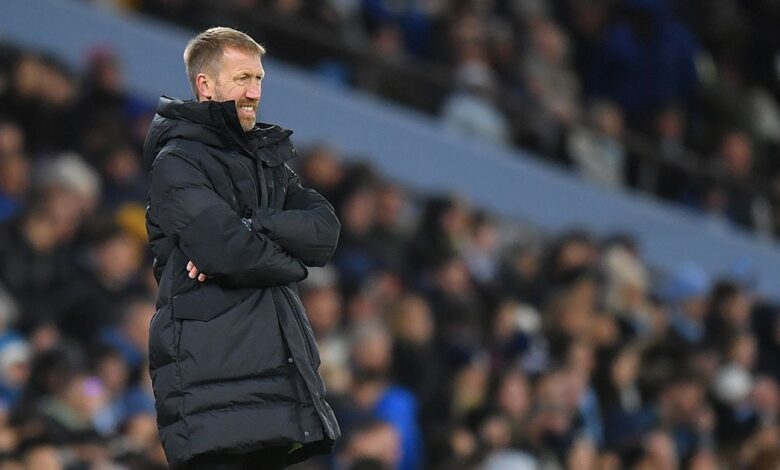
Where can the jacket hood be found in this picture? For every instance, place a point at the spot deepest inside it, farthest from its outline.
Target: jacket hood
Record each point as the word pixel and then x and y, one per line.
pixel 209 122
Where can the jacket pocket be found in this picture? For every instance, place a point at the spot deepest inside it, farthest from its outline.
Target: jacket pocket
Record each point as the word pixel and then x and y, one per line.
pixel 207 301
pixel 233 344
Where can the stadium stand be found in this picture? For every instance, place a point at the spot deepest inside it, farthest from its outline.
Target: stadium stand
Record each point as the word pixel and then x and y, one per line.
pixel 451 337
pixel 673 98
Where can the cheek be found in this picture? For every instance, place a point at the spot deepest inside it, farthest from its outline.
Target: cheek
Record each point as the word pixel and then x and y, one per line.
pixel 227 93
pixel 216 94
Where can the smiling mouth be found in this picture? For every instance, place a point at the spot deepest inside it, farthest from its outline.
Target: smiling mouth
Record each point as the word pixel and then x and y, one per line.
pixel 248 109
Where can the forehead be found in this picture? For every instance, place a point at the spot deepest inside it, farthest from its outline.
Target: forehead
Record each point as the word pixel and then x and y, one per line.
pixel 234 59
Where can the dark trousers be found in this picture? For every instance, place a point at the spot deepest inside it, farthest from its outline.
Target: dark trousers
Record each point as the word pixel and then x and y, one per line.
pixel 272 458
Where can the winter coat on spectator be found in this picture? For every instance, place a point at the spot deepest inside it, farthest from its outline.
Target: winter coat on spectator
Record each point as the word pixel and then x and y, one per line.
pixel 233 359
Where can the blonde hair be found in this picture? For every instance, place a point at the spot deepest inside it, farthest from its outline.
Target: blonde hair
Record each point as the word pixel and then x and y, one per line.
pixel 205 50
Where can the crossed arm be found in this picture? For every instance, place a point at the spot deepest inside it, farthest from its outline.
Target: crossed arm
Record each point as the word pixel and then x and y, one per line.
pixel 306 227
pixel 211 234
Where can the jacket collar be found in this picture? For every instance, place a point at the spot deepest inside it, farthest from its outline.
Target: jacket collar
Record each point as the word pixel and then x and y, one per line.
pixel 216 124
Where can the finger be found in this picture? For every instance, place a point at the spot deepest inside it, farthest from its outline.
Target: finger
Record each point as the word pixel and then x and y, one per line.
pixel 202 277
pixel 190 266
pixel 193 272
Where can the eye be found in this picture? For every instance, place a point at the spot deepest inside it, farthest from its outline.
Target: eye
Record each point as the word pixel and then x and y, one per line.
pixel 242 79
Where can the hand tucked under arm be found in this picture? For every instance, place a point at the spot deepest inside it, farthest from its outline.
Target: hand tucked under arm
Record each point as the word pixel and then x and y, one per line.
pixel 193 272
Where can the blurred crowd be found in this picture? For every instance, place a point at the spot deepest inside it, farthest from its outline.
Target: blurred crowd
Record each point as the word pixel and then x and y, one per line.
pixel 450 339
pixel 676 98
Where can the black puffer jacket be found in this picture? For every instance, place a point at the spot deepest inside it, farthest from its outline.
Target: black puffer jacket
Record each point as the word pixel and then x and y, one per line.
pixel 233 359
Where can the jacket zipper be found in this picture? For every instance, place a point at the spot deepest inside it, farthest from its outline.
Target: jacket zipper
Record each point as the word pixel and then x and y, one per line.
pixel 292 298
pixel 264 193
pixel 233 188
pixel 323 419
pixel 249 173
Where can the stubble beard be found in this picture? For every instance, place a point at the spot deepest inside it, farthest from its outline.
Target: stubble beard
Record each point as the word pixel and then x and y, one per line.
pixel 246 123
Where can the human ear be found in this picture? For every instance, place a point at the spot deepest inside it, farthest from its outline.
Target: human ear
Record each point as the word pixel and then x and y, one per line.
pixel 203 84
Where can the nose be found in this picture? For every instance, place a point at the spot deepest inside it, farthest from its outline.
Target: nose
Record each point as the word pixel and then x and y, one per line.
pixel 253 90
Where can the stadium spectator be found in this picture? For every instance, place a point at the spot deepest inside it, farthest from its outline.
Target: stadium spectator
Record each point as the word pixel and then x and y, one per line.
pixel 374 394
pixel 107 277
pixel 552 84
pixel 735 161
pixel 35 266
pixel 471 109
pixel 664 177
pixel 597 151
pixel 124 181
